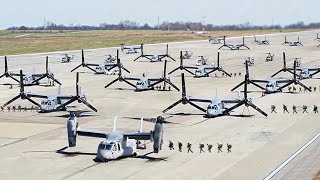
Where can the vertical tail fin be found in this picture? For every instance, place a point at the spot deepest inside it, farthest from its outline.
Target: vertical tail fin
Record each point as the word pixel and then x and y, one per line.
pixel 47 69
pixel 114 126
pixel 141 124
pixel 5 64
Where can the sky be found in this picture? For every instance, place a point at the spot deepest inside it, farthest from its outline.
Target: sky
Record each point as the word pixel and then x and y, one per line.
pixel 94 12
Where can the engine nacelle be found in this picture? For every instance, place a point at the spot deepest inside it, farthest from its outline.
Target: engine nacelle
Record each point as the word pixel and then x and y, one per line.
pixel 157 136
pixel 72 126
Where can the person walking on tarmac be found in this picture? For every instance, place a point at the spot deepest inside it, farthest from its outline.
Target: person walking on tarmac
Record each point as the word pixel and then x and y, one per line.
pixel 285 109
pixel 304 107
pixel 180 146
pixel 209 147
pixel 201 146
pixel 315 109
pixel 189 148
pixel 294 109
pixel 171 145
pixel 273 109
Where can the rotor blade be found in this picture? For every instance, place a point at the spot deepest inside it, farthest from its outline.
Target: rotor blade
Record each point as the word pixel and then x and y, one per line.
pixel 111 82
pixel 188 71
pixel 289 83
pixel 238 86
pixel 137 58
pixel 89 105
pixel 90 68
pixel 32 101
pixel 172 105
pixel 54 79
pixel 14 78
pixel 171 58
pixel 37 80
pixel 233 107
pixel 13 99
pixel 171 84
pixel 257 109
pixel 225 72
pixel 157 82
pixel 129 83
pixel 76 67
pixel 125 69
pixel 196 106
pixel 257 85
pixel 68 102
pixel 277 72
pixel 301 84
pixel 174 70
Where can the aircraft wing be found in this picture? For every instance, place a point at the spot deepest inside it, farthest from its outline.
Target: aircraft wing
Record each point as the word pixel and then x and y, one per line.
pixel 234 100
pixel 313 69
pixel 190 67
pixel 283 81
pixel 154 79
pixel 138 135
pixel 64 97
pixel 195 99
pixel 292 69
pixel 92 64
pixel 37 95
pixel 133 79
pixel 89 133
pixel 259 81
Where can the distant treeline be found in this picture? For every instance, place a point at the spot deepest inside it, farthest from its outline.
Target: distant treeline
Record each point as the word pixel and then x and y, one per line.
pixel 192 26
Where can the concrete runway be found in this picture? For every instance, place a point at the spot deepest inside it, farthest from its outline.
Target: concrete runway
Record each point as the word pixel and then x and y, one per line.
pixel 29 141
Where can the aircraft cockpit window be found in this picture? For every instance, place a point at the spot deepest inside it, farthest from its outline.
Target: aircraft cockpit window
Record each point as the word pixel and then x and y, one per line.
pixel 109 146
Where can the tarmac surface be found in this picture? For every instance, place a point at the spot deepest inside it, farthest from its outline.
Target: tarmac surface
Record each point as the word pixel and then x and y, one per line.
pixel 34 145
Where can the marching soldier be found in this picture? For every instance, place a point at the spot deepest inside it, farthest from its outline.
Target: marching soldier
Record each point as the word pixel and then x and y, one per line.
pixel 180 146
pixel 25 109
pixel 2 108
pixel 171 145
pixel 189 147
pixel 315 109
pixel 8 108
pixel 14 108
pixel 300 89
pixel 239 74
pixel 304 107
pixel 229 146
pixel 201 146
pixel 273 109
pixel 10 87
pixel 289 88
pixel 315 89
pixel 305 89
pixel 285 109
pixel 294 109
pixel 294 89
pixel 219 147
pixel 209 147
pixel 31 108
pixel 169 88
pixel 19 108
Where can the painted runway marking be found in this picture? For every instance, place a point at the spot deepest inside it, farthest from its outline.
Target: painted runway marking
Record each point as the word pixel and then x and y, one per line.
pixel 291 158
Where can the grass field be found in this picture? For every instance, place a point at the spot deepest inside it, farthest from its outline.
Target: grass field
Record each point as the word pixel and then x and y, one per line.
pixel 25 42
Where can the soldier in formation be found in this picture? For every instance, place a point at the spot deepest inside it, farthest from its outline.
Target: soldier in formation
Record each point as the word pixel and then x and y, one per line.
pixel 315 109
pixel 285 109
pixel 209 147
pixel 189 148
pixel 294 109
pixel 171 145
pixel 229 146
pixel 273 109
pixel 201 146
pixel 219 147
pixel 304 107
pixel 180 146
